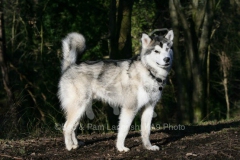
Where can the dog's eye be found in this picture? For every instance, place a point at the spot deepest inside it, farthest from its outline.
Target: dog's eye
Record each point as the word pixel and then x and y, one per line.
pixel 169 44
pixel 156 51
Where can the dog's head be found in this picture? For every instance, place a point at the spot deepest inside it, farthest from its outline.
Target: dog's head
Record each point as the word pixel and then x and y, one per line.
pixel 156 50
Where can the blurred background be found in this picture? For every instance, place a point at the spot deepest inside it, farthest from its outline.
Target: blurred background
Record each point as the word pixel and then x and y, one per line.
pixel 203 85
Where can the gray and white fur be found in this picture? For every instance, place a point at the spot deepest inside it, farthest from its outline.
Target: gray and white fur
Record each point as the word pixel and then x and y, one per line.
pixel 129 84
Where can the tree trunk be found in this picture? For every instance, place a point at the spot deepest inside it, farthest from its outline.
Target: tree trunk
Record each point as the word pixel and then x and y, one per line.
pixel 225 85
pixel 113 30
pixel 120 28
pixel 205 32
pixel 183 100
pixel 124 41
pixel 10 119
pixel 204 39
pixel 198 14
pixel 194 65
pixel 225 65
pixel 197 29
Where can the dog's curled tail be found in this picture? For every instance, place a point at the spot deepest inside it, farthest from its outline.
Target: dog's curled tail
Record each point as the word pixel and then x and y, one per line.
pixel 72 45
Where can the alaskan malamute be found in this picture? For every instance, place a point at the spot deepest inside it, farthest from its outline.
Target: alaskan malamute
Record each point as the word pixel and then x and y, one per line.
pixel 130 84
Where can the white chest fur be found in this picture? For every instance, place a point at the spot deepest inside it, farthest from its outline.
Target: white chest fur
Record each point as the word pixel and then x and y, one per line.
pixel 143 97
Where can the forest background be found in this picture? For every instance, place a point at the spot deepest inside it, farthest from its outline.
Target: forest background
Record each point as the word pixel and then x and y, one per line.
pixel 203 85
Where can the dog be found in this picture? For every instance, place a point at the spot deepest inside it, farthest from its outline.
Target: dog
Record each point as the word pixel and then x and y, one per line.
pixel 130 84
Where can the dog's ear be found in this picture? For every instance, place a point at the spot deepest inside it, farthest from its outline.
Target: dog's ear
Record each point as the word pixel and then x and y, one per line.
pixel 170 35
pixel 145 40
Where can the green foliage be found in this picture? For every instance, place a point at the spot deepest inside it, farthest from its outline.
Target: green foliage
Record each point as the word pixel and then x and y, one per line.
pixel 226 38
pixel 142 19
pixel 34 30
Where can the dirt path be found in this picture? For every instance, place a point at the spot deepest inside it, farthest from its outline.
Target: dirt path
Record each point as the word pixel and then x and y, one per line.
pixel 221 141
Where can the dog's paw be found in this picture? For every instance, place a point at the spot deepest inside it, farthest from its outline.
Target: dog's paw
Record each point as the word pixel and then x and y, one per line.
pixel 123 149
pixel 69 147
pixel 74 146
pixel 153 148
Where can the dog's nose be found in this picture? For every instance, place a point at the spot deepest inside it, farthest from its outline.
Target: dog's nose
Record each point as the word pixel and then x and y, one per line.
pixel 166 59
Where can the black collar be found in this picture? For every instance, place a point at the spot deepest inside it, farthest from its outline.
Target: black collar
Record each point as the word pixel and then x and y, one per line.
pixel 159 80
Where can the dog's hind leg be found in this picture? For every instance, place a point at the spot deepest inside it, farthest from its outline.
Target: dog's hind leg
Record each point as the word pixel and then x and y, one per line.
pixel 88 104
pixel 74 137
pixel 146 127
pixel 73 117
pixel 126 118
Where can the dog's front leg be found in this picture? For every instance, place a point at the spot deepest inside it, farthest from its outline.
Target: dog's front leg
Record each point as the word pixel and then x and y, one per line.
pixel 146 128
pixel 126 118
